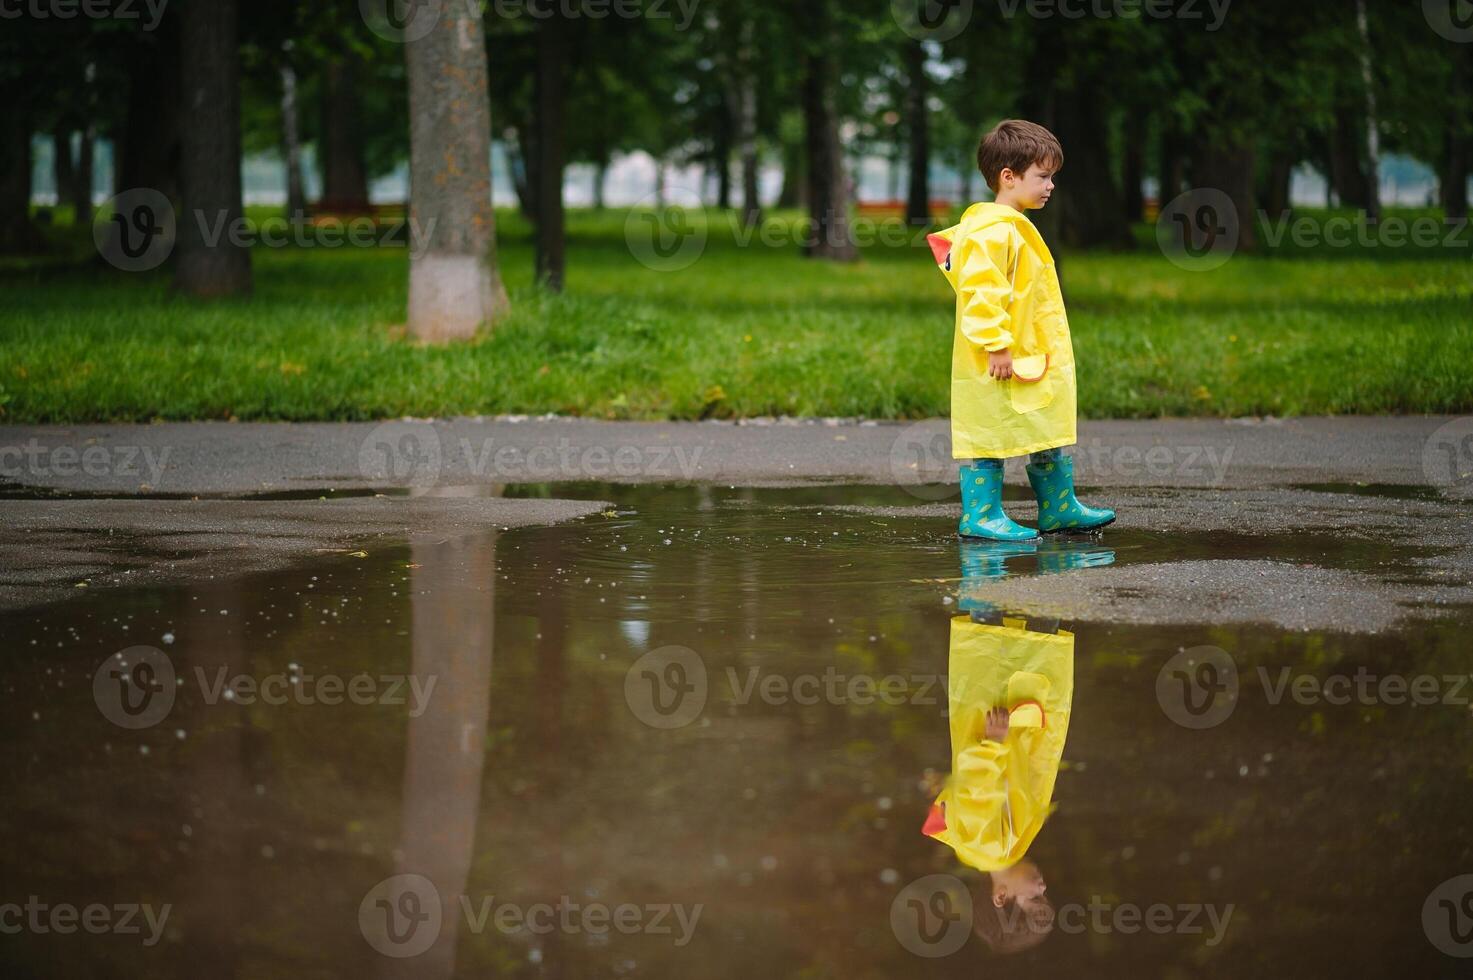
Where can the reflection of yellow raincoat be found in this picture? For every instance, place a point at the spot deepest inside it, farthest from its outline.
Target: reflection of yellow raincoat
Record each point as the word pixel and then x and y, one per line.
pixel 1007 295
pixel 998 795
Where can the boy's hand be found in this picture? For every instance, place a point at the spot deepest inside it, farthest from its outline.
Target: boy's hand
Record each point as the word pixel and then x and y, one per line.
pixel 1000 364
pixel 997 724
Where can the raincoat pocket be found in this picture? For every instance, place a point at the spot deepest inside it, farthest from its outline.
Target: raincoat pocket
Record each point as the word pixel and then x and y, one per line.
pixel 1031 395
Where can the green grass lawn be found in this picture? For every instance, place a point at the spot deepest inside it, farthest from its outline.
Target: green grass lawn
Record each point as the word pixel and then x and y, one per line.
pixel 745 331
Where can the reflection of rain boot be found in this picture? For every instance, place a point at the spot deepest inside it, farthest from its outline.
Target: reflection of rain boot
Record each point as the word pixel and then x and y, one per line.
pixel 1058 508
pixel 982 514
pixel 984 560
pixel 1060 556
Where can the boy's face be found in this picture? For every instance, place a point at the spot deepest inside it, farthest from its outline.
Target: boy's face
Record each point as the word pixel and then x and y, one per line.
pixel 1032 189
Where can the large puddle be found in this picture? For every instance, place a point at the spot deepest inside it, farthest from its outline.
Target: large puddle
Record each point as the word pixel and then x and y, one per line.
pixel 700 736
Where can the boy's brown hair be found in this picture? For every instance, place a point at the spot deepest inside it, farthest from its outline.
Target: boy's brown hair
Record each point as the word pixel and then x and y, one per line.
pixel 1016 144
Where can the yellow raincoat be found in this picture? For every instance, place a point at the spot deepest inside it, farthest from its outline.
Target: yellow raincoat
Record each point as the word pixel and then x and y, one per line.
pixel 998 794
pixel 1007 295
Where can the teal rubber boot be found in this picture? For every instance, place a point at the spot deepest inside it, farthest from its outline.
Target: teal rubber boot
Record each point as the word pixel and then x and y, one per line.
pixel 983 562
pixel 982 513
pixel 1058 508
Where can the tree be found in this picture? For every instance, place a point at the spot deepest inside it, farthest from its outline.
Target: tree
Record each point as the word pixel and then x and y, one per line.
pixel 552 145
pixel 454 283
pixel 828 179
pixel 918 112
pixel 211 262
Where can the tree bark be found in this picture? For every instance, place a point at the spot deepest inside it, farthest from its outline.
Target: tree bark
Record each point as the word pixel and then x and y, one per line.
pixel 210 262
pixel 552 57
pixel 83 176
pixel 918 200
pixel 1229 167
pixel 1088 202
pixel 344 173
pixel 291 145
pixel 454 283
pixel 1453 178
pixel 17 233
pixel 61 164
pixel 1373 135
pixel 1171 168
pixel 1280 183
pixel 746 116
pixel 1346 174
pixel 148 148
pixel 794 191
pixel 828 186
pixel 600 183
pixel 1132 171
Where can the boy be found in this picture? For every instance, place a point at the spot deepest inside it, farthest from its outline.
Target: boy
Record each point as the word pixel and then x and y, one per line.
pixel 1012 363
pixel 1010 689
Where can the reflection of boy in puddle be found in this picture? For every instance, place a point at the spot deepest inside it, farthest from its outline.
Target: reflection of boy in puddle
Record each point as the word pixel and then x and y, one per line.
pixel 1009 691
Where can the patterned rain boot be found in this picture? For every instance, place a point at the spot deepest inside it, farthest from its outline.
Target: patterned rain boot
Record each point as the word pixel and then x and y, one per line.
pixel 1061 555
pixel 1058 508
pixel 982 513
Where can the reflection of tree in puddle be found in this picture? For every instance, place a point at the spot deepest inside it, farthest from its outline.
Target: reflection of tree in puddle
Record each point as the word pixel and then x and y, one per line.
pixel 453 586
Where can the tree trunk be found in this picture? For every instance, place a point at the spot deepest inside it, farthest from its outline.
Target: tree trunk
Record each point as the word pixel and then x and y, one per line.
pixel 1346 174
pixel 17 234
pixel 522 151
pixel 746 116
pixel 454 283
pixel 1223 166
pixel 1373 135
pixel 61 164
pixel 659 181
pixel 210 263
pixel 918 200
pixel 291 145
pixel 600 183
pixel 148 147
pixel 1280 183
pixel 1171 167
pixel 828 186
pixel 344 173
pixel 1132 171
pixel 83 177
pixel 1088 202
pixel 1453 178
pixel 552 57
pixel 794 191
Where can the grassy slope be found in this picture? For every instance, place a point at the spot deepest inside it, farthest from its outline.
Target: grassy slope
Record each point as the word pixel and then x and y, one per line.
pixel 744 331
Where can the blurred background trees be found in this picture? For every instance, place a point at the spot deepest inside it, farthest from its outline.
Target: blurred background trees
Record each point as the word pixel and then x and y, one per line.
pixel 747 105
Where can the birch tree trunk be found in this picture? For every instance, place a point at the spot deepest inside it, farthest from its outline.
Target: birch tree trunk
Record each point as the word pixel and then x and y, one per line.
pixel 454 283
